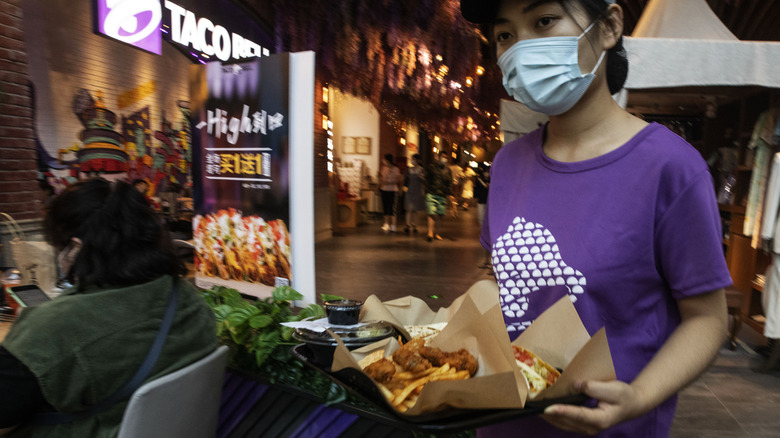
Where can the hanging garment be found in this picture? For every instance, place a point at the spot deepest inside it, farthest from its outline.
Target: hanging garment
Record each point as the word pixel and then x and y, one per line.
pixel 758 179
pixel 770 299
pixel 770 226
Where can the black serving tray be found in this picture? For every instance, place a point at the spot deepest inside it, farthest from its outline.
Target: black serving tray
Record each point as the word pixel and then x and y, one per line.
pixel 450 420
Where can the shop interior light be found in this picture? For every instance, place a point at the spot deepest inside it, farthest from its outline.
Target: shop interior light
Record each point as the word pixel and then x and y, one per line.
pixel 480 70
pixel 469 81
pixel 439 58
pixel 325 94
pixel 403 141
pixel 435 138
pixel 454 155
pixel 330 124
pixel 324 122
pixel 435 150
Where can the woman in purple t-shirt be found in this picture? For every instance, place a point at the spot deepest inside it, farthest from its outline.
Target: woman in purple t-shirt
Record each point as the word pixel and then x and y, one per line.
pixel 598 205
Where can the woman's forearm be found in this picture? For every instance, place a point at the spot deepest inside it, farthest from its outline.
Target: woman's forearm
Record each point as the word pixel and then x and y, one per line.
pixel 687 353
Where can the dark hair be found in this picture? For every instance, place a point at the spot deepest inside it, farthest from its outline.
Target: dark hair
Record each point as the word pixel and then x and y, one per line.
pixel 617 61
pixel 123 241
pixel 139 180
pixel 389 158
pixel 416 157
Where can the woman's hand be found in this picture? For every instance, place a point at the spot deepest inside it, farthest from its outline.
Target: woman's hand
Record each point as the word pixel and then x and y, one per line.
pixel 682 358
pixel 617 402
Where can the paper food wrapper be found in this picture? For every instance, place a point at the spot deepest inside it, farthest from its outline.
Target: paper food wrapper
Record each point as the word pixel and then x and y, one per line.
pixel 475 322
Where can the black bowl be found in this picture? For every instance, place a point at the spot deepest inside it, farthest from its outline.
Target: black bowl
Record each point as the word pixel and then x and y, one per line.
pixel 343 312
pixel 322 344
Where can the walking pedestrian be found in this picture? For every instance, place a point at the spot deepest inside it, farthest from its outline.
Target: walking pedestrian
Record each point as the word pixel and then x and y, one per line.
pixel 438 186
pixel 389 180
pixel 415 193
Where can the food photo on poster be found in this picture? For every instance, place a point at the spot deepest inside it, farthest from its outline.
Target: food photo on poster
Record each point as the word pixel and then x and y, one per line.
pixel 240 121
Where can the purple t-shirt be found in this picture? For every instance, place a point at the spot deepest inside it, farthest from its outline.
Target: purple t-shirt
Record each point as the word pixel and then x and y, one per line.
pixel 623 235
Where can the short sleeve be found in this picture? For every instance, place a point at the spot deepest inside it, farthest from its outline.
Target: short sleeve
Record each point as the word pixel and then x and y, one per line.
pixel 688 241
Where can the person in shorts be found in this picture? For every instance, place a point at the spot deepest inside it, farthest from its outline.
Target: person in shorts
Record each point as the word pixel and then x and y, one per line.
pixel 438 186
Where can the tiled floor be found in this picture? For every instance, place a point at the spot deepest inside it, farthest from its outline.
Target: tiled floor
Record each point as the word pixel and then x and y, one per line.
pixel 729 400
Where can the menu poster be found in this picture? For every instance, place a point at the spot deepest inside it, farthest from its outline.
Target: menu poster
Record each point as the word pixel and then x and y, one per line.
pixel 246 124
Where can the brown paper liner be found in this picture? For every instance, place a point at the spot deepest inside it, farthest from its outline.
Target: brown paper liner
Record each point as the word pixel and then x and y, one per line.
pixel 475 322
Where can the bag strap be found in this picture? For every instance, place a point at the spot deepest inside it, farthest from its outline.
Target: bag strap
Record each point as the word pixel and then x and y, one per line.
pixel 16 230
pixel 52 418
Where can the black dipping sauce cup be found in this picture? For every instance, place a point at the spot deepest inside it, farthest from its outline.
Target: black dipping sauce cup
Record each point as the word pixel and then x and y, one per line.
pixel 343 312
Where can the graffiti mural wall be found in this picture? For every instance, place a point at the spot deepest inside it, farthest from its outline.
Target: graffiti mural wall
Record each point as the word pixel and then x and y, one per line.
pixel 102 107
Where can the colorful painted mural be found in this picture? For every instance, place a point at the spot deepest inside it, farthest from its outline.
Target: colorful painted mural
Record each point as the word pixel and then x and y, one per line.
pixel 128 147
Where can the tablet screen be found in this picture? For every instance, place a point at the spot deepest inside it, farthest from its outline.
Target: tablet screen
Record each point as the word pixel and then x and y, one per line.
pixel 28 296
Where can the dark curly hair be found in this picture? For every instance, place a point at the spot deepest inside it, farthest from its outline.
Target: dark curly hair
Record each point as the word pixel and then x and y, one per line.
pixel 123 241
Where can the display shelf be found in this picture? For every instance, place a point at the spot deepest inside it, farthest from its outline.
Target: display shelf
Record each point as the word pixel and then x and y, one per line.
pixel 729 208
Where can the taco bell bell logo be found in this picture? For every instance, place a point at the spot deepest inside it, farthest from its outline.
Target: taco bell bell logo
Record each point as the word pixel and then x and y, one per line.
pixel 135 22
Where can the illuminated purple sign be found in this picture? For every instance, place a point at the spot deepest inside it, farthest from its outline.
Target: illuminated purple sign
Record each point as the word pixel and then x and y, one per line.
pixel 135 22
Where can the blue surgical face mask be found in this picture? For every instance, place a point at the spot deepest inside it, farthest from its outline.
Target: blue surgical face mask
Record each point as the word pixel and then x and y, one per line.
pixel 544 73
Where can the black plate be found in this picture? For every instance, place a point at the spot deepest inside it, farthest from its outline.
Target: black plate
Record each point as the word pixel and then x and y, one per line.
pixel 448 420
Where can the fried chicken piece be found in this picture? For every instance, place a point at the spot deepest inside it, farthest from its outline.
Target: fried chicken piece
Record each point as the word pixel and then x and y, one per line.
pixel 382 370
pixel 460 360
pixel 410 360
pixel 414 344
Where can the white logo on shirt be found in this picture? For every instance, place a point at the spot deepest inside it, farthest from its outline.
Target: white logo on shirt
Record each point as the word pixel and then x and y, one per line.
pixel 526 258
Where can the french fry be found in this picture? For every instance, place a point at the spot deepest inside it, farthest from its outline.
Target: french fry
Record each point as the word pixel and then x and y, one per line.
pixel 403 388
pixel 406 375
pixel 456 375
pixel 385 392
pixel 408 390
pixel 442 369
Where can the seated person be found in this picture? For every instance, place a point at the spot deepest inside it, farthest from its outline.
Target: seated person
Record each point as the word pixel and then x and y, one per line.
pixel 77 350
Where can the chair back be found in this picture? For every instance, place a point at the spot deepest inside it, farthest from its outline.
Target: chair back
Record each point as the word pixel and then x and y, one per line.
pixel 182 404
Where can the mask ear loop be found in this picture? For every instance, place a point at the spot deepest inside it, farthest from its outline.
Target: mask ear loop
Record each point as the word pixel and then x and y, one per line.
pixel 587 29
pixel 603 52
pixel 598 63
